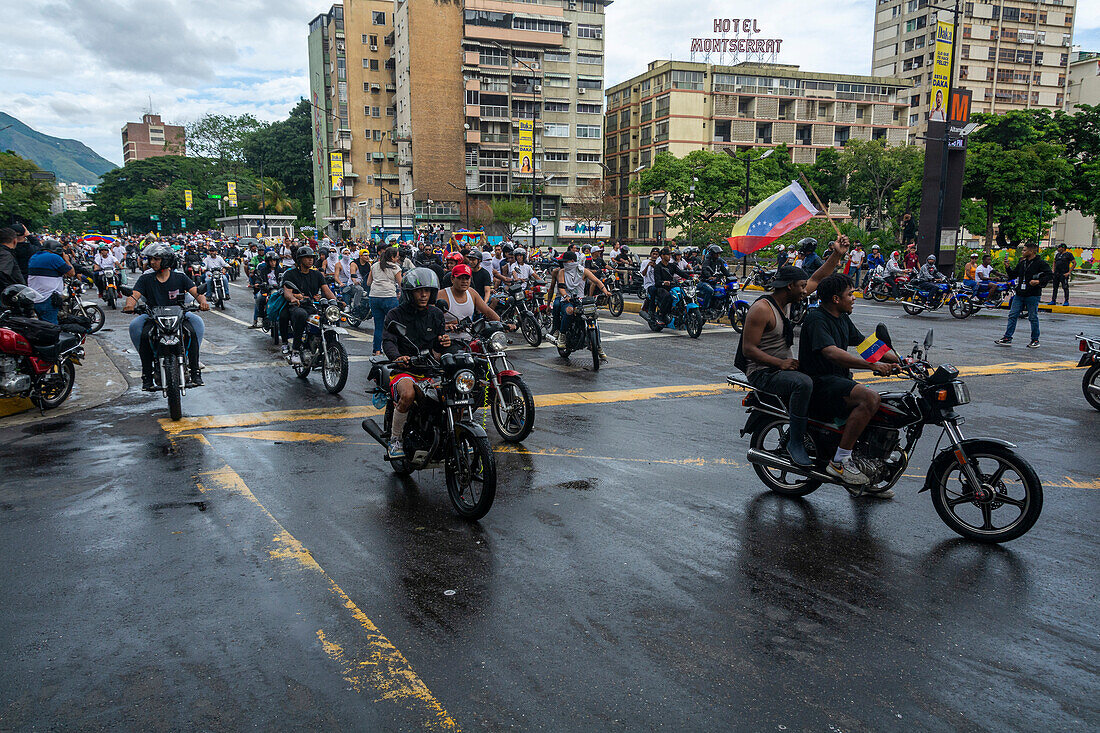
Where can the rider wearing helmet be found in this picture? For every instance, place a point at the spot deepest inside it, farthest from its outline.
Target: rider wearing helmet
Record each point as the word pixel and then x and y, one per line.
pixel 714 270
pixel 811 261
pixel 104 262
pixel 162 287
pixel 424 329
pixel 928 274
pixel 266 278
pixel 300 285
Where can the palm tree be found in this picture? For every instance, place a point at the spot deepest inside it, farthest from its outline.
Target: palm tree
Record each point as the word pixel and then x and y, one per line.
pixel 274 195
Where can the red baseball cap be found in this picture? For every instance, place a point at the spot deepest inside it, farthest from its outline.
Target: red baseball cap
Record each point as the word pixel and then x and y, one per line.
pixel 461 271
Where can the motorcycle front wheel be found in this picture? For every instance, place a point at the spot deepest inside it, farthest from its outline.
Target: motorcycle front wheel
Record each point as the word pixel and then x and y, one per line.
pixel 594 347
pixel 97 317
pixel 1090 385
pixel 172 387
pixel 335 373
pixel 530 328
pixel 109 298
pixel 615 304
pixel 472 476
pixel 59 390
pixel 693 323
pixel 959 308
pixel 770 437
pixel 1008 483
pixel 513 410
pixel 737 314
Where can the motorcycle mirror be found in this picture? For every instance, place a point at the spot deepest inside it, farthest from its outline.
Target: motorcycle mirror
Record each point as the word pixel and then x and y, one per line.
pixel 126 290
pixel 928 339
pixel 395 327
pixel 883 334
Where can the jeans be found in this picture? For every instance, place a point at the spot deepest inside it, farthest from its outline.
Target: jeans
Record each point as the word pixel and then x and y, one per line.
pixel 379 307
pixel 193 330
pixel 1019 303
pixel 209 292
pixel 353 296
pixel 560 316
pixel 706 292
pixel 794 387
pixel 260 309
pixel 1062 280
pixel 46 310
pixel 854 274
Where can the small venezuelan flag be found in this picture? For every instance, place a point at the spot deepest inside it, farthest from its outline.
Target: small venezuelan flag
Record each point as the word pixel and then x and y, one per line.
pixel 771 219
pixel 872 349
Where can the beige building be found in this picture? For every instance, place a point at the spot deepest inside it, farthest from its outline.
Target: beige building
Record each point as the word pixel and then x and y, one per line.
pixel 151 138
pixel 1010 56
pixel 679 106
pixel 1083 87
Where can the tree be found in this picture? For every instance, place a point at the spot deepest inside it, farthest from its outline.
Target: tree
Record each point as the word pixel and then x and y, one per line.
pixel 718 191
pixel 827 176
pixel 221 137
pixel 875 173
pixel 23 198
pixel 514 214
pixel 594 205
pixel 480 214
pixel 285 149
pixel 272 194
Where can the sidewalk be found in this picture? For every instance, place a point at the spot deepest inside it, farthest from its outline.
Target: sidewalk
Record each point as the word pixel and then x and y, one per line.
pixel 98 380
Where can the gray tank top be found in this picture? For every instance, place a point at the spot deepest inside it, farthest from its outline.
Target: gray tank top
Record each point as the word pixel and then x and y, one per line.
pixel 772 343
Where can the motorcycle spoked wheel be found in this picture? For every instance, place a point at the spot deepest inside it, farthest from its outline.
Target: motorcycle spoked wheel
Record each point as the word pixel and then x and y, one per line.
pixel 693 323
pixel 798 312
pixel 615 304
pixel 594 347
pixel 769 437
pixel 1007 481
pixel 1092 379
pixel 59 390
pixel 960 308
pixel 335 373
pixel 472 477
pixel 96 315
pixel 400 466
pixel 109 298
pixel 172 387
pixel 513 410
pixel 531 329
pixel 737 314
pixel 912 308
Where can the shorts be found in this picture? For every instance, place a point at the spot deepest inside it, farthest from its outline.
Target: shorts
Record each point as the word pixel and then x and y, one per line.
pixel 394 379
pixel 828 396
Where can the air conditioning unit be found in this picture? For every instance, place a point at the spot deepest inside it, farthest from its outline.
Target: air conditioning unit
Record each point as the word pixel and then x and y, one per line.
pixel 374 47
pixel 538 88
pixel 580 90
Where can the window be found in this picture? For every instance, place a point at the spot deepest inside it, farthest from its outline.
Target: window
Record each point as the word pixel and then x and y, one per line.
pixel 589 131
pixel 647 135
pixel 589 58
pixel 377 135
pixel 589 83
pixel 390 111
pixel 662 132
pixel 373 40
pixel 589 109
pixel 589 31
pixel 588 157
pixel 687 80
pixel 647 158
pixel 557 157
pixel 647 111
pixel 535 24
pixel 556 55
pixel 366 111
pixel 663 105
pixel 493 182
pixel 552 129
pixel 473 96
pixel 552 80
pixel 378 17
pixel 589 6
pixel 488 18
pixel 371 64
pixel 555 106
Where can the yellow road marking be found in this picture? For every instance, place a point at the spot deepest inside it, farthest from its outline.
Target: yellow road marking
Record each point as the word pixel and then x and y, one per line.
pixel 285 436
pixel 208 422
pixel 383 668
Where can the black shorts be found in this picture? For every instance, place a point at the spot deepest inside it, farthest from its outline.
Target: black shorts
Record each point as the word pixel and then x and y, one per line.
pixel 828 395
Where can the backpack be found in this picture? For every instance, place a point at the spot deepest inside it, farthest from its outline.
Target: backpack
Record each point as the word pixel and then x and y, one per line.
pixel 276 302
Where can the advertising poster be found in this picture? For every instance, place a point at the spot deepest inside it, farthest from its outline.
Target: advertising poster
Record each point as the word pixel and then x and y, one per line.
pixel 336 171
pixel 941 72
pixel 526 147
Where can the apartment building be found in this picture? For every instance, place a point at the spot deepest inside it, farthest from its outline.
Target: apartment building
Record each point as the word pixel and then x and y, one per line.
pixel 1082 87
pixel 1011 55
pixel 679 106
pixel 352 91
pixel 151 138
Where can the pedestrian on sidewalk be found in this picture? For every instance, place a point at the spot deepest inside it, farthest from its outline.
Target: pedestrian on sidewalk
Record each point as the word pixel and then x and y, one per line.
pixel 1064 265
pixel 1032 275
pixel 855 264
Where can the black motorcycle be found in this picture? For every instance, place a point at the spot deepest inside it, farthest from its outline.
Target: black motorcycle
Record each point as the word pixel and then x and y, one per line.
pixel 133 261
pixel 169 341
pixel 1090 357
pixel 217 287
pixel 440 429
pixel 519 306
pixel 111 282
pixel 77 310
pixel 612 280
pixel 321 346
pixel 981 487
pixel 584 331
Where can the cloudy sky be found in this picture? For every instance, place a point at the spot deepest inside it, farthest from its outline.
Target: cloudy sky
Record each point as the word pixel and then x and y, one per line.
pixel 83 68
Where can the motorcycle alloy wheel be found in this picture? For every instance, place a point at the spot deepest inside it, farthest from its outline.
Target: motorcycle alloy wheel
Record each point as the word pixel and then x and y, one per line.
pixel 693 323
pixel 513 410
pixel 769 437
pixel 737 314
pixel 531 329
pixel 334 374
pixel 172 387
pixel 60 388
pixel 615 304
pixel 1089 382
pixel 96 315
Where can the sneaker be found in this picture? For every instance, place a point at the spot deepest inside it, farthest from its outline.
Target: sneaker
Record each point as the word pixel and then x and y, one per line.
pixel 847 473
pixel 1051 303
pixel 196 379
pixel 1003 342
pixel 603 356
pixel 561 340
pixel 147 383
pixel 255 324
pixel 295 358
pixel 395 450
pixel 1066 304
pixel 1033 345
pixel 884 494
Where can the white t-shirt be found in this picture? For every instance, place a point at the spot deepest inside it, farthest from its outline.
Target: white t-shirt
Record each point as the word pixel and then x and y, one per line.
pixel 521 272
pixel 109 262
pixel 985 272
pixel 648 274
pixel 119 252
pixel 496 263
pixel 216 261
pixel 855 258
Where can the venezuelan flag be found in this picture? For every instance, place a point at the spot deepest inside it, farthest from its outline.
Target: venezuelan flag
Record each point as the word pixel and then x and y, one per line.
pixel 771 219
pixel 872 349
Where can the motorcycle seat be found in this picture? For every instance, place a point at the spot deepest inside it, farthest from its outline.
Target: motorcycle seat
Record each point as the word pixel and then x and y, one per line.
pixel 65 342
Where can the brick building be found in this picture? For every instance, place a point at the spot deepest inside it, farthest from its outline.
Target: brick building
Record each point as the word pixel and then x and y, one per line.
pixel 151 138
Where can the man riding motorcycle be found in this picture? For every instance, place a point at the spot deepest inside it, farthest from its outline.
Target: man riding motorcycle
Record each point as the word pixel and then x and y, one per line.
pixel 425 328
pixel 164 287
pixel 569 282
pixel 212 260
pixel 927 275
pixel 266 278
pixel 714 270
pixel 665 272
pixel 301 284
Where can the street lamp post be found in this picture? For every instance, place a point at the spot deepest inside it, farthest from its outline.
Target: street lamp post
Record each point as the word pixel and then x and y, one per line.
pixel 263 198
pixel 1042 210
pixel 466 192
pixel 381 201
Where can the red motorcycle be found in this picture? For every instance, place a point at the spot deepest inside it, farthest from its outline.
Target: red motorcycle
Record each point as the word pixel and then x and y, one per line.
pixel 37 359
pixel 502 390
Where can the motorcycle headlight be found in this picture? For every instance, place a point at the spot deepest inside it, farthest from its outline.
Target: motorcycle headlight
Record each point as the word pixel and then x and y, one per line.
pixel 465 381
pixel 332 314
pixel 168 323
pixel 962 393
pixel 689 291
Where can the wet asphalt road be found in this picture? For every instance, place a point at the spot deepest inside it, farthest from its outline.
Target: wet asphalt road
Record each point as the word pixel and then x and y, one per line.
pixel 267 571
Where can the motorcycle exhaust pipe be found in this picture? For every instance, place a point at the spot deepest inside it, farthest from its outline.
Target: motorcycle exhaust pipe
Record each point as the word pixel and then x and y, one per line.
pixel 374 431
pixel 770 460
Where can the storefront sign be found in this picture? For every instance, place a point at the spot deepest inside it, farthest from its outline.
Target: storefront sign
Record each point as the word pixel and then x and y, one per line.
pixel 543 229
pixel 571 228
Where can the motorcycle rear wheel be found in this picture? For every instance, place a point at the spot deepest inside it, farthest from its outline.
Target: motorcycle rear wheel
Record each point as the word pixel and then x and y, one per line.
pixel 513 410
pixel 303 369
pixel 615 304
pixel 58 393
pixel 912 309
pixel 693 323
pixel 880 294
pixel 472 479
pixel 335 374
pixel 1091 379
pixel 780 482
pixel 530 328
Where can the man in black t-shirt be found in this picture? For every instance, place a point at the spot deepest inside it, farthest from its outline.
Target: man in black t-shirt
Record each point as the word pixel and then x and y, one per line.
pixel 827 332
pixel 300 285
pixel 161 288
pixel 482 280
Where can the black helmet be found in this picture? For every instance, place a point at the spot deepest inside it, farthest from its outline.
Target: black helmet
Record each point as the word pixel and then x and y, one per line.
pixel 52 245
pixel 714 250
pixel 18 297
pixel 166 254
pixel 807 244
pixel 624 248
pixel 304 251
pixel 419 278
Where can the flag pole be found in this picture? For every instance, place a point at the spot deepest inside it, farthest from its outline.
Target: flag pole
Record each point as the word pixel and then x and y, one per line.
pixel 824 208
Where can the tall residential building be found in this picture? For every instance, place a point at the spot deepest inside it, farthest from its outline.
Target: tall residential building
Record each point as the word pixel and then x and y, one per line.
pixel 151 138
pixel 1011 56
pixel 352 90
pixel 1082 87
pixel 680 106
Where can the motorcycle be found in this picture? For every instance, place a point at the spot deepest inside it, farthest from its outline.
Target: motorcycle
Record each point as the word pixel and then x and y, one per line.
pixel 917 296
pixel 519 306
pixel 132 261
pixel 614 299
pixel 234 270
pixel 217 287
pixel 684 313
pixel 969 299
pixel 1090 357
pixel 440 429
pixel 970 480
pixel 110 287
pixel 725 301
pixel 75 308
pixel 503 390
pixel 169 351
pixel 584 331
pixel 761 277
pixel 321 346
pixel 37 360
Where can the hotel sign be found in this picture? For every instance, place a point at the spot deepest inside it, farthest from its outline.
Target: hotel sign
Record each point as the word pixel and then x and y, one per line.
pixel 745 29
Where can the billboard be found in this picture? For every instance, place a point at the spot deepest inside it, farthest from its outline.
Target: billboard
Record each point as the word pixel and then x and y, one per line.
pixel 574 228
pixel 231 187
pixel 526 146
pixel 941 71
pixel 187 202
pixel 336 171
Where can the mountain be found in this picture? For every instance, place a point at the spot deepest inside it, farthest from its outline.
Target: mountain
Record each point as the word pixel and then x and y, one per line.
pixel 70 160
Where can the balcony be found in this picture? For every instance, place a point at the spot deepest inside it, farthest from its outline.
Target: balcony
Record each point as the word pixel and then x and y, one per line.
pixel 496 137
pixel 495 113
pixel 473 137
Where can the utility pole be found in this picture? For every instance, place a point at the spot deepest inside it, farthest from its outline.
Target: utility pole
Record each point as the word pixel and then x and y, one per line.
pixel 946 127
pixel 534 138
